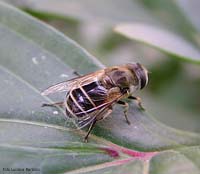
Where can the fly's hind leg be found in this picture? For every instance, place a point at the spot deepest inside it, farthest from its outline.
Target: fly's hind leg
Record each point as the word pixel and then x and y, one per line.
pixel 126 106
pixel 101 115
pixel 138 100
pixel 89 130
pixel 57 104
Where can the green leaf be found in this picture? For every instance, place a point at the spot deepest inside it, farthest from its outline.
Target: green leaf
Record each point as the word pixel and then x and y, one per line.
pixel 88 10
pixel 111 12
pixel 191 10
pixel 49 149
pixel 169 13
pixel 34 56
pixel 161 39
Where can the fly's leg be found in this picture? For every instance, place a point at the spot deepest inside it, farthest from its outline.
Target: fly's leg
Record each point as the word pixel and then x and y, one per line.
pixel 138 100
pixel 89 130
pixel 126 106
pixel 99 116
pixel 57 104
pixel 77 74
pixel 107 113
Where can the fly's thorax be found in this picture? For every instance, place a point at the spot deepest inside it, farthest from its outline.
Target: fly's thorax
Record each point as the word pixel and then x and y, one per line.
pixel 107 82
pixel 121 77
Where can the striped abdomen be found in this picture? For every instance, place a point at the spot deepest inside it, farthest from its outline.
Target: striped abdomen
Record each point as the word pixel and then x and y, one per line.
pixel 83 100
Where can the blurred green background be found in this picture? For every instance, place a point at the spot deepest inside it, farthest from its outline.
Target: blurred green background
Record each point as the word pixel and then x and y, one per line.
pixel 173 93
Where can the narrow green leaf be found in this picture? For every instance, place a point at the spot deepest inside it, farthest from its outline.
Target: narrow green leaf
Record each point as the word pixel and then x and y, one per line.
pixel 191 10
pixel 88 10
pixel 111 12
pixel 161 39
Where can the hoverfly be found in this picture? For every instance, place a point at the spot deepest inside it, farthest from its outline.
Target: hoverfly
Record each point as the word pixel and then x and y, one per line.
pixel 91 97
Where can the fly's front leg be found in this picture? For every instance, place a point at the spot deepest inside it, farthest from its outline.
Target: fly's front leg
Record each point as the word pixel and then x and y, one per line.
pixel 57 104
pixel 126 106
pixel 138 100
pixel 76 73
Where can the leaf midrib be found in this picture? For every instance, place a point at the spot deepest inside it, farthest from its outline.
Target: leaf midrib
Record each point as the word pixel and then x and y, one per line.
pixel 81 132
pixel 145 169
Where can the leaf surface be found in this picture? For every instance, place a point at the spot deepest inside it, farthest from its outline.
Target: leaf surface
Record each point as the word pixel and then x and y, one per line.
pixel 34 56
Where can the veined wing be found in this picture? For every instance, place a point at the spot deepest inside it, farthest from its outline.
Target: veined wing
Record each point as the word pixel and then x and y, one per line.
pixel 73 83
pixel 95 112
pixel 87 120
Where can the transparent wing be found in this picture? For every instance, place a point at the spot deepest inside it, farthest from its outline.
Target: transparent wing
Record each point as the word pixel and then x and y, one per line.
pixel 87 120
pixel 73 83
pixel 95 112
pixel 84 122
pixel 60 87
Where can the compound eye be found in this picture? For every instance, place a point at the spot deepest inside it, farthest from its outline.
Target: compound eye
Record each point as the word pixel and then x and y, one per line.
pixel 143 82
pixel 143 76
pixel 140 72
